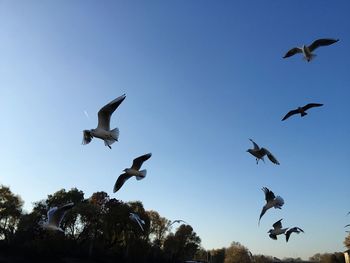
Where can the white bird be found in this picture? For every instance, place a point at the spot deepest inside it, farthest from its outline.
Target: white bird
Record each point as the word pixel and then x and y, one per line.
pixel 271 201
pixel 307 50
pixel 103 130
pixel 133 171
pixel 291 230
pixel 259 153
pixel 55 216
pixel 135 217
pixel 178 221
pixel 277 230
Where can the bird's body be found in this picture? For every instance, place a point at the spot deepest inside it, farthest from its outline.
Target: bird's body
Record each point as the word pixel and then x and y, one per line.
pixel 259 153
pixel 271 201
pixel 293 230
pixel 103 130
pixel 178 221
pixel 55 216
pixel 135 217
pixel 277 230
pixel 133 171
pixel 301 110
pixel 307 50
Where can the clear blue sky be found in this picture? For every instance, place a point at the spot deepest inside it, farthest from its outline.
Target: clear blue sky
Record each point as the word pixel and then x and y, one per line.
pixel 201 77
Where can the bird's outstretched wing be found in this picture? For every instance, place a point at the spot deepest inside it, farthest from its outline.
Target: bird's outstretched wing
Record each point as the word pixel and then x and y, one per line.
pixel 311 105
pixel 322 42
pixel 105 113
pixel 292 52
pixel 271 157
pixel 177 221
pixel 135 217
pixel 56 215
pixel 137 163
pixel 291 230
pixel 87 137
pixel 292 112
pixel 256 147
pixel 269 195
pixel 278 224
pixel 120 181
pixel 263 211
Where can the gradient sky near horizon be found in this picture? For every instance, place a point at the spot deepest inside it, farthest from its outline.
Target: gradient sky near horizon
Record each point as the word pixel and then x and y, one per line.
pixel 201 78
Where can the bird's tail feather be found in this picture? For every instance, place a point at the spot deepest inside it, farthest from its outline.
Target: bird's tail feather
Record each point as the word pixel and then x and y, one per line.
pixel 143 175
pixel 279 202
pixel 303 114
pixel 115 134
pixel 311 57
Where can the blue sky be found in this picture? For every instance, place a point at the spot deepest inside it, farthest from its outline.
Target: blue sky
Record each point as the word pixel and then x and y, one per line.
pixel 201 77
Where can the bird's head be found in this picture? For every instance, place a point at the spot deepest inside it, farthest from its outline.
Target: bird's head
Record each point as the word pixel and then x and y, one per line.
pixel 270 231
pixel 249 150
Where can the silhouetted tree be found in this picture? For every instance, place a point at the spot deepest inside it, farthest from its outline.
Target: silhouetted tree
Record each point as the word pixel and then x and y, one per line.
pixel 10 213
pixel 262 259
pixel 159 226
pixel 182 245
pixel 217 255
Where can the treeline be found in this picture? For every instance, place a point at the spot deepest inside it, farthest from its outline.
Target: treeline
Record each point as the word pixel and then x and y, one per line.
pixel 97 228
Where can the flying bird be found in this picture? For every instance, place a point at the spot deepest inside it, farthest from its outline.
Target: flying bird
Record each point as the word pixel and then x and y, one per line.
pixel 271 201
pixel 259 153
pixel 178 221
pixel 307 50
pixel 133 171
pixel 301 110
pixel 55 216
pixel 103 130
pixel 277 230
pixel 135 217
pixel 291 230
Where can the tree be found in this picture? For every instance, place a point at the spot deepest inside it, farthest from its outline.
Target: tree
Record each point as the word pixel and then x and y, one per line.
pixel 237 253
pixel 10 213
pixel 183 245
pixel 262 259
pixel 217 255
pixel 158 228
pixel 336 257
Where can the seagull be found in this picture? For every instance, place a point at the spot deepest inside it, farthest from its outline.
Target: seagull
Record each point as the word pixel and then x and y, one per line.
pixel 103 130
pixel 133 171
pixel 55 216
pixel 177 221
pixel 307 50
pixel 301 110
pixel 277 230
pixel 291 230
pixel 271 201
pixel 135 217
pixel 259 153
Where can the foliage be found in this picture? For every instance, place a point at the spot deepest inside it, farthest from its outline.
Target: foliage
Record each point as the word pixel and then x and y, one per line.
pixel 96 227
pixel 336 257
pixel 237 253
pixel 10 213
